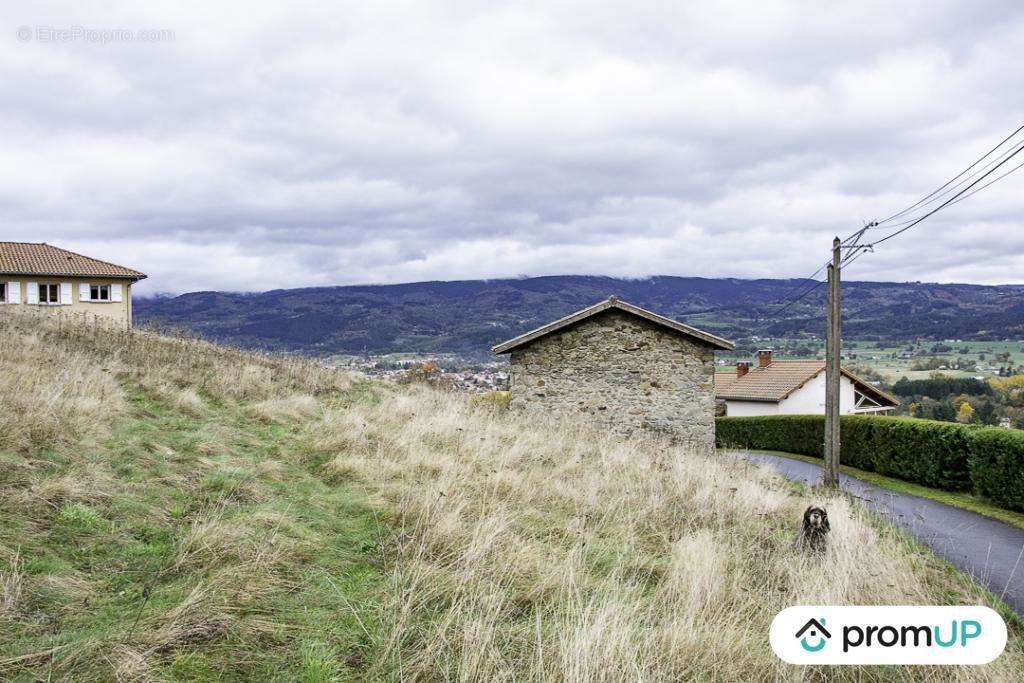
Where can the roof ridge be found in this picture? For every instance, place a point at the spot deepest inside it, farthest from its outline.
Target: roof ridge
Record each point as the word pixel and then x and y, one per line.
pixel 604 305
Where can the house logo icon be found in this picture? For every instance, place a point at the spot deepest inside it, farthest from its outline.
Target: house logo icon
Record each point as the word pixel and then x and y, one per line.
pixel 817 633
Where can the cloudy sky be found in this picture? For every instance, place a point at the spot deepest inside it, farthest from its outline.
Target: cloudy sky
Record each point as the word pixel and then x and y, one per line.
pixel 280 145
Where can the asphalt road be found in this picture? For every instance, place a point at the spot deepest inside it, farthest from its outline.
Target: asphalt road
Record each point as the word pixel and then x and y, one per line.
pixel 989 550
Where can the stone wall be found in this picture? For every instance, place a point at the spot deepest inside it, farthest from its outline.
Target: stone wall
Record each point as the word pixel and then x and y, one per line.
pixel 624 373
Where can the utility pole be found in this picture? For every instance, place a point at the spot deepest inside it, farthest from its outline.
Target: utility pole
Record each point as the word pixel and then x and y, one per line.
pixel 833 348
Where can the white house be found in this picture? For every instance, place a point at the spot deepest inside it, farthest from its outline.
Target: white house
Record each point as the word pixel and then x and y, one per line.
pixel 794 387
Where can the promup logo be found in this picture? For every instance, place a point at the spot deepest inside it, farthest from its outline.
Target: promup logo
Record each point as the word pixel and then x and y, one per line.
pixel 817 630
pixel 888 635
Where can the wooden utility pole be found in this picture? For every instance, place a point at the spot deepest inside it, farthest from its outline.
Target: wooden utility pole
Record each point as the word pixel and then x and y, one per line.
pixel 833 349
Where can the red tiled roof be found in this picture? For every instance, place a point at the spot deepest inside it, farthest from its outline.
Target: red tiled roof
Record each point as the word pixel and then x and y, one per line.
pixel 33 258
pixel 781 378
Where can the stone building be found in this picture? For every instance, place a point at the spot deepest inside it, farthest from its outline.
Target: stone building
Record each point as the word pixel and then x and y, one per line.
pixel 623 367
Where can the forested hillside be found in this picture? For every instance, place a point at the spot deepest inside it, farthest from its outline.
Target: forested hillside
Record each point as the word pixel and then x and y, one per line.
pixel 469 316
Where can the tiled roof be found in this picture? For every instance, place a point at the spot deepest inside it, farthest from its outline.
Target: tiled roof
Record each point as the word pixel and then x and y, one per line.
pixel 780 379
pixel 33 258
pixel 614 302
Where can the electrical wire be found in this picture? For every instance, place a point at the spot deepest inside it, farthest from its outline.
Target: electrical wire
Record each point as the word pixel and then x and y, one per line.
pixel 852 242
pixel 928 197
pixel 953 199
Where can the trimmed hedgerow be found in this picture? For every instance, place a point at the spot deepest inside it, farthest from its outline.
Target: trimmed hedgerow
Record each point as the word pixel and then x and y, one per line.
pixel 934 454
pixel 922 451
pixel 803 434
pixel 997 466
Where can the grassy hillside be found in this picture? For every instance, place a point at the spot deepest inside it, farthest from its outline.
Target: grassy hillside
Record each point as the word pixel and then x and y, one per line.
pixel 171 510
pixel 469 317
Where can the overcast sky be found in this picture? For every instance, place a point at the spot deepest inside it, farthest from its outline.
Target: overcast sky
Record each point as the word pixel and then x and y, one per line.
pixel 270 146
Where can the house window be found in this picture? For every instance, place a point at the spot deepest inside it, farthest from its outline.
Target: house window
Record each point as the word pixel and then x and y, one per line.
pixel 3 292
pixel 99 292
pixel 49 294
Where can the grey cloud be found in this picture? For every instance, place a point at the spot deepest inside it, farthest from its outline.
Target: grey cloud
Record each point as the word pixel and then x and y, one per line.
pixel 271 146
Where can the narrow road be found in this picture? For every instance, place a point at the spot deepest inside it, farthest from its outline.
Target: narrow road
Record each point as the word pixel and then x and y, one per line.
pixel 990 551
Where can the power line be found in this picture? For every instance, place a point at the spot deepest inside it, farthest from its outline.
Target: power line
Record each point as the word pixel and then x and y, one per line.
pixel 786 302
pixel 961 195
pixel 852 242
pixel 794 301
pixel 934 192
pixel 994 180
pixel 954 188
pixel 954 198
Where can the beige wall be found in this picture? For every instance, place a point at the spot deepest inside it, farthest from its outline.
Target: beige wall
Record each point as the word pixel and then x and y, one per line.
pixel 119 313
pixel 625 374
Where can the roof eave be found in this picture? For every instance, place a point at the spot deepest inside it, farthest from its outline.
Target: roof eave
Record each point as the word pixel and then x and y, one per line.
pixel 95 276
pixel 755 399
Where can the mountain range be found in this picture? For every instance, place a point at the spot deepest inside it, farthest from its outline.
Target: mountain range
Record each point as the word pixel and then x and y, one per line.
pixel 467 317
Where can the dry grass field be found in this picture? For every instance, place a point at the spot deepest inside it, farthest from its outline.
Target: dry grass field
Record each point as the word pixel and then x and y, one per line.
pixel 173 510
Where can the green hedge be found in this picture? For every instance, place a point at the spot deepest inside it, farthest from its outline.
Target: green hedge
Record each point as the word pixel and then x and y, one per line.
pixel 942 455
pixel 997 465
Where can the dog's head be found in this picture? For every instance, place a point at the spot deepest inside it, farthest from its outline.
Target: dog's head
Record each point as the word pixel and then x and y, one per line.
pixel 816 518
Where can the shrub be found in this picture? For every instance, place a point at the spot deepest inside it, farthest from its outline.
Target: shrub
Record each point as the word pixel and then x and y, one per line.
pixel 997 465
pixel 497 400
pixel 930 453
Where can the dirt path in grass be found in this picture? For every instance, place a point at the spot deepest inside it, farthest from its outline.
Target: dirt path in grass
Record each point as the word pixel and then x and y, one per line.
pixel 990 551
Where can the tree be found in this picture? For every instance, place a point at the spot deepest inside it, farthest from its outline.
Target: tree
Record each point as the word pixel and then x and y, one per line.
pixel 944 411
pixel 965 413
pixel 986 413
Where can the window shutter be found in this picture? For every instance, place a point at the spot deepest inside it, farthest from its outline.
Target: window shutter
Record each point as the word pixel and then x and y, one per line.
pixel 65 294
pixel 83 291
pixel 115 292
pixel 14 292
pixel 32 293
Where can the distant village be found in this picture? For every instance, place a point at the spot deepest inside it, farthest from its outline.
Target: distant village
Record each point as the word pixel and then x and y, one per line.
pixel 452 370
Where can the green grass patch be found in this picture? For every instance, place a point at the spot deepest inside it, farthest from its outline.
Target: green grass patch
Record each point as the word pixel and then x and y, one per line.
pixel 188 548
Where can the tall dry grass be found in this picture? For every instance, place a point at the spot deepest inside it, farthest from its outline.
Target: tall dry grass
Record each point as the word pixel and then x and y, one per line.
pixel 515 549
pixel 61 382
pixel 540 550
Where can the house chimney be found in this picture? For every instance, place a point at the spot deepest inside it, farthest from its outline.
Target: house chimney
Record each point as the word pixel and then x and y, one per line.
pixel 764 358
pixel 742 368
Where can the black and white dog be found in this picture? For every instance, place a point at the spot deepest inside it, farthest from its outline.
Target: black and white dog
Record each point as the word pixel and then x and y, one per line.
pixel 814 529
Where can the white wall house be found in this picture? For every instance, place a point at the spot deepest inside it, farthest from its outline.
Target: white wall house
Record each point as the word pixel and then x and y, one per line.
pixel 794 387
